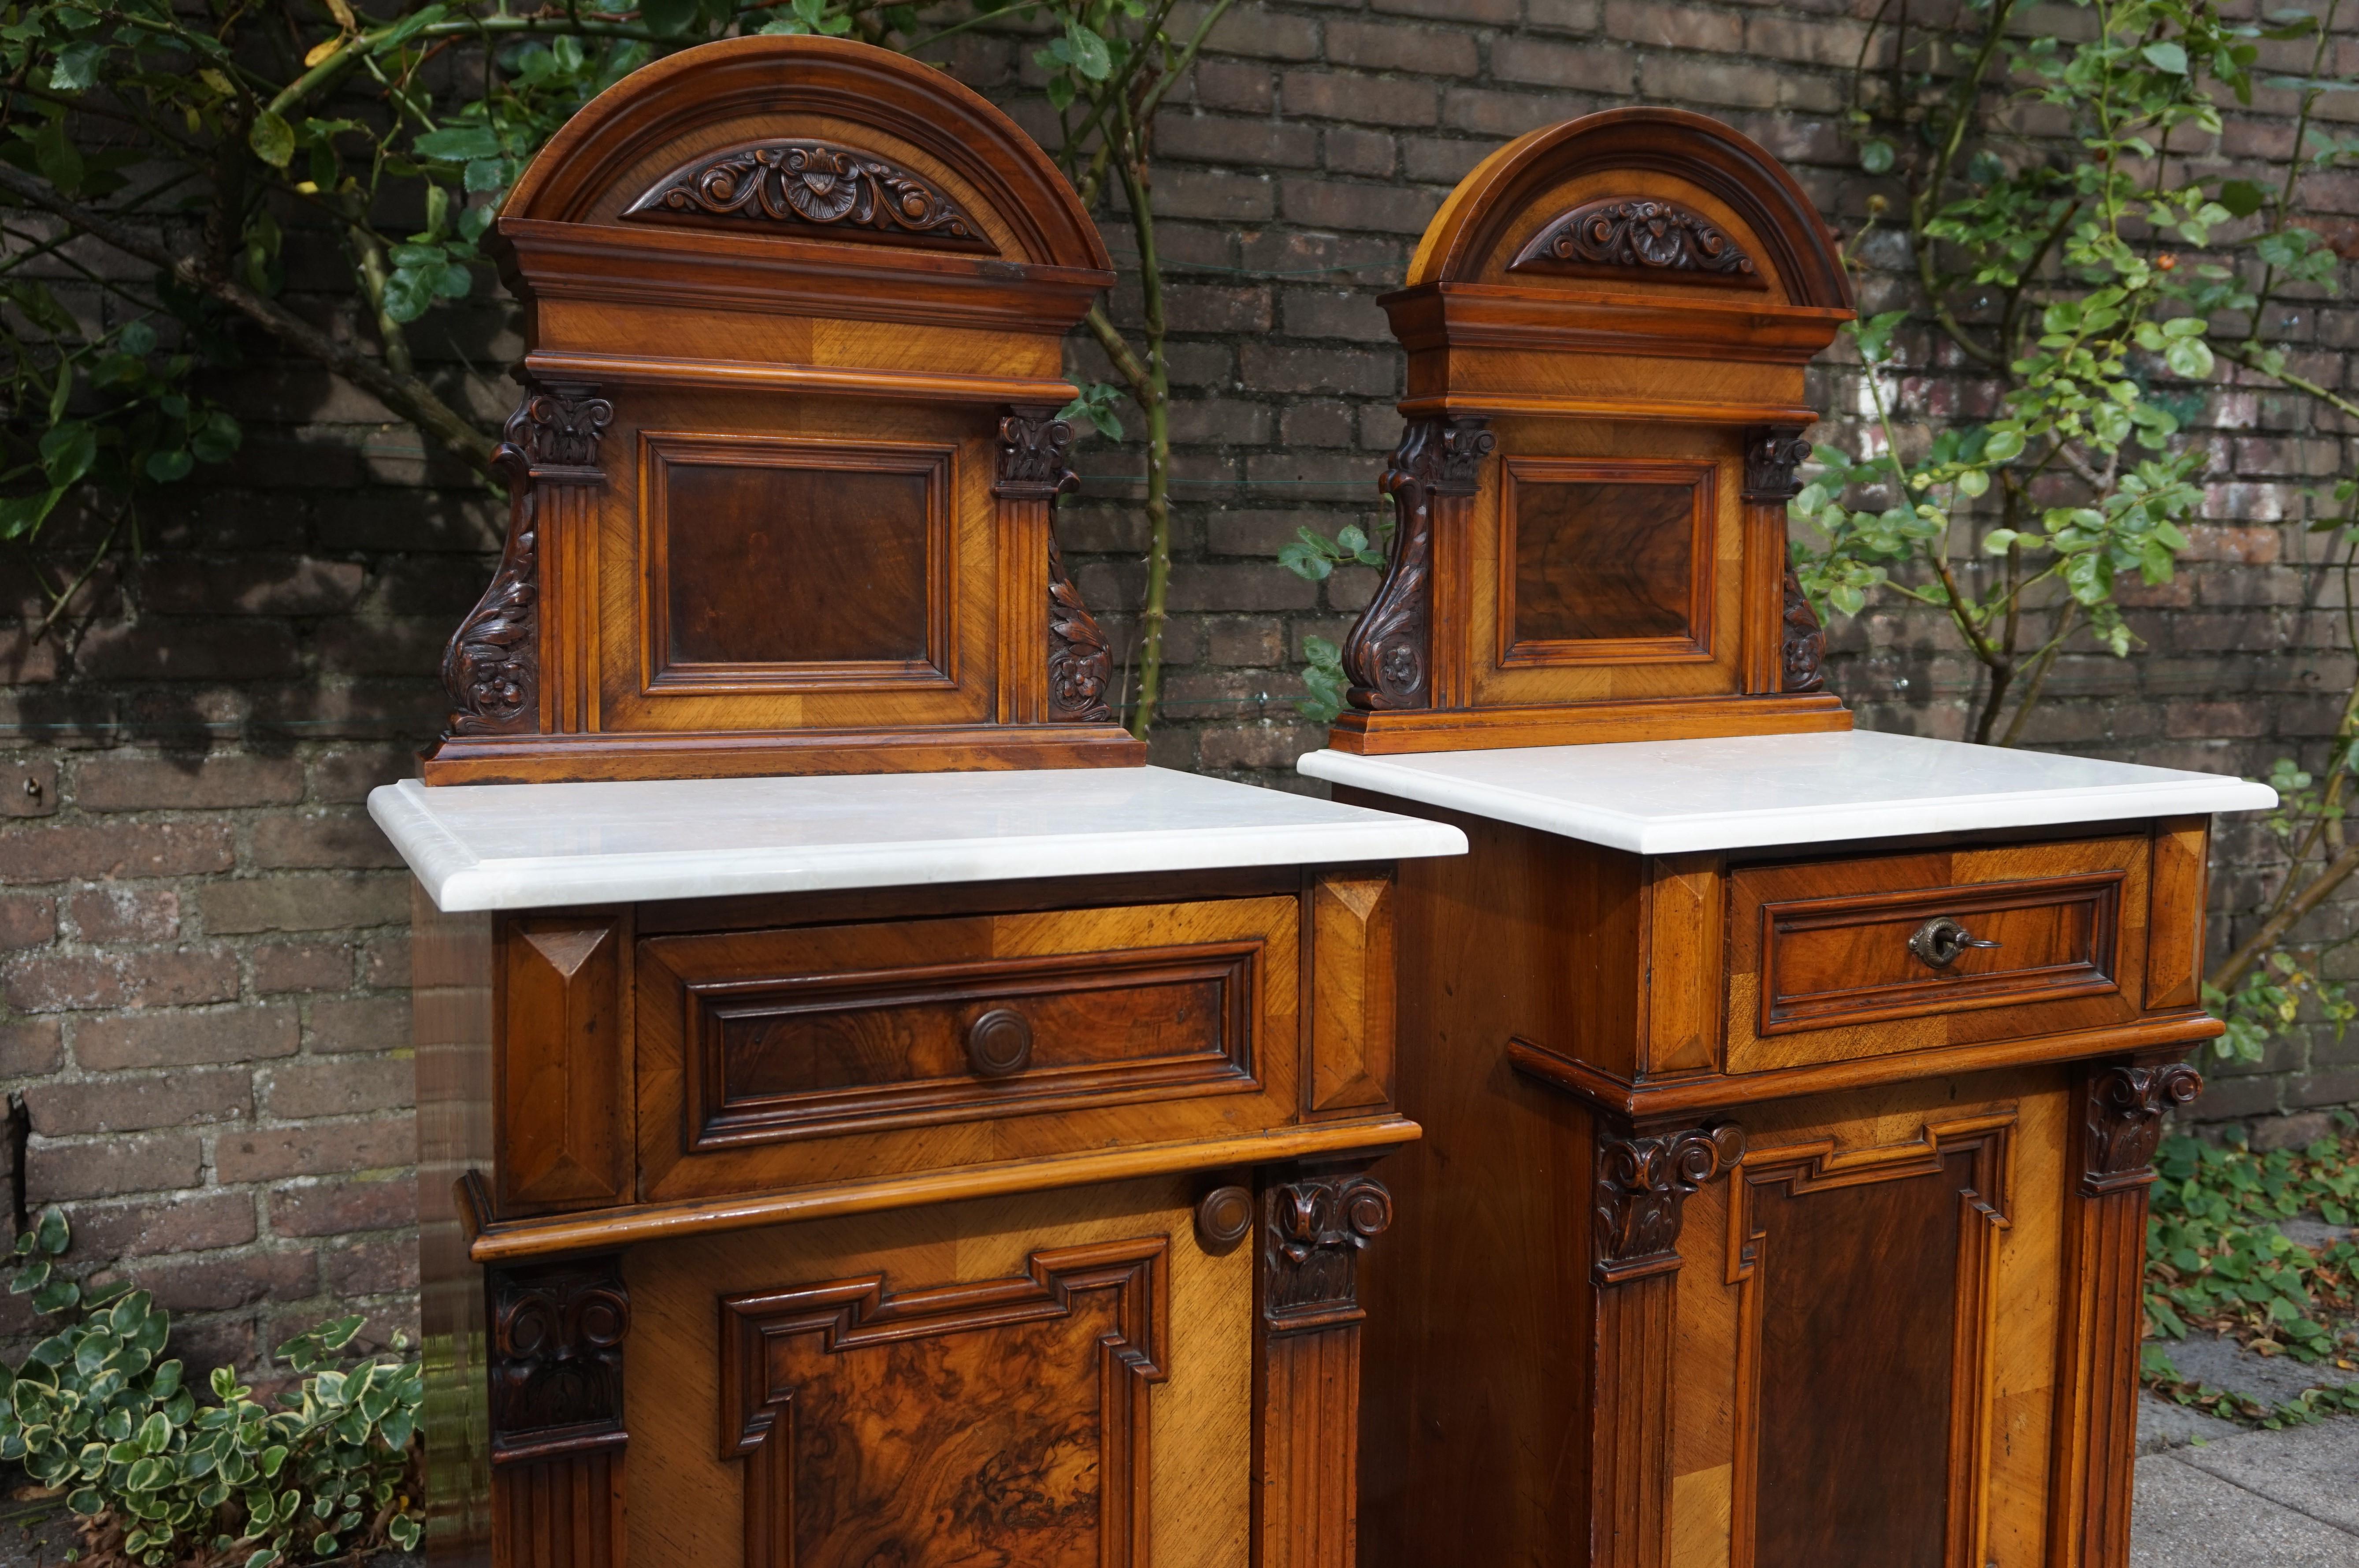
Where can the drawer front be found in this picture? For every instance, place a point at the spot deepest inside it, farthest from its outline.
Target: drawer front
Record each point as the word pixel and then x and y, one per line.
pixel 765 1056
pixel 1832 960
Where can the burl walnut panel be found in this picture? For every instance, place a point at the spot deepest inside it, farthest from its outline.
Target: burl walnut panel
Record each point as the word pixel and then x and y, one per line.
pixel 1060 1378
pixel 856 1456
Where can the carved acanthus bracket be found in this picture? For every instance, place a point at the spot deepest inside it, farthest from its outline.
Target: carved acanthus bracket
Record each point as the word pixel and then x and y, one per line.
pixel 556 1363
pixel 1389 657
pixel 1642 1182
pixel 1312 1231
pixel 843 191
pixel 1642 234
pixel 492 668
pixel 1081 661
pixel 1801 643
pixel 1772 454
pixel 1034 461
pixel 2124 1110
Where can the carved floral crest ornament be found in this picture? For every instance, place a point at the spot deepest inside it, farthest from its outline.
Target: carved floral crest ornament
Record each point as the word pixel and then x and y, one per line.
pixel 853 194
pixel 1644 234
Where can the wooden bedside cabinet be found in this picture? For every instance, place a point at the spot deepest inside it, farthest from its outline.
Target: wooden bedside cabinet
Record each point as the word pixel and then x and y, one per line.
pixel 866 1117
pixel 1788 1091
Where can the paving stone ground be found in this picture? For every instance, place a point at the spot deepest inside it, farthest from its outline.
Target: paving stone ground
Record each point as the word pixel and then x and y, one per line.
pixel 2210 1493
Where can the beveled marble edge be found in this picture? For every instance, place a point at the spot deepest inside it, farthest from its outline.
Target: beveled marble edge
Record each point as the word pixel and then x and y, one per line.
pixel 1740 827
pixel 459 880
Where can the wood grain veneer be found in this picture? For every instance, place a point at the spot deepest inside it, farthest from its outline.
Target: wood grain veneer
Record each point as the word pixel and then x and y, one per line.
pixel 1010 1222
pixel 1644 1307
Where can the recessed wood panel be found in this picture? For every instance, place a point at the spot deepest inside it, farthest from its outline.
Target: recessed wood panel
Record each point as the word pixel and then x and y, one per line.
pixel 998 1422
pixel 1857 1317
pixel 1865 1380
pixel 1604 561
pixel 795 564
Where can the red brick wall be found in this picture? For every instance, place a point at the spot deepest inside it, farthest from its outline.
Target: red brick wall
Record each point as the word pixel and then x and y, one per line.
pixel 202 954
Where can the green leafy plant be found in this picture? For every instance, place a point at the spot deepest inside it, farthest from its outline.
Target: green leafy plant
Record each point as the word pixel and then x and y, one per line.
pixel 97 1413
pixel 1313 555
pixel 242 119
pixel 2216 1261
pixel 2044 266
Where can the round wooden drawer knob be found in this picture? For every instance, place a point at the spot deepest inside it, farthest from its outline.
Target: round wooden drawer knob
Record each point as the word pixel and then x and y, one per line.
pixel 999 1044
pixel 1223 1216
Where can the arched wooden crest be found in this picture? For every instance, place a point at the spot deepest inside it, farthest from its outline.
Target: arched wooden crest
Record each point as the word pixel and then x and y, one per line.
pixel 1607 325
pixel 781 473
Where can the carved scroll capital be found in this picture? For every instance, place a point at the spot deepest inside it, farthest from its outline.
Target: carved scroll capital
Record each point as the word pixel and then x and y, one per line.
pixel 841 192
pixel 1639 234
pixel 1312 1231
pixel 1772 453
pixel 1642 1182
pixel 556 1361
pixel 1389 657
pixel 556 428
pixel 2124 1109
pixel 1034 459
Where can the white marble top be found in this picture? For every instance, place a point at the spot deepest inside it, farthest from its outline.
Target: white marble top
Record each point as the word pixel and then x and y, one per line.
pixel 1664 798
pixel 532 846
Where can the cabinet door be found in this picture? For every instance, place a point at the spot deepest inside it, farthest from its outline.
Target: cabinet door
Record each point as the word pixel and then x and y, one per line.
pixel 1864 1358
pixel 1061 1381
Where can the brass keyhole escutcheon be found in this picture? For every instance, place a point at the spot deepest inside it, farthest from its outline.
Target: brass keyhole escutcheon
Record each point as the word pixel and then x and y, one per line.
pixel 999 1044
pixel 1940 940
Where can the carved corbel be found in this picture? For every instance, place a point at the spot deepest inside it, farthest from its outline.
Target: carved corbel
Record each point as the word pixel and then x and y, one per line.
pixel 1772 453
pixel 1034 464
pixel 2124 1112
pixel 1642 1181
pixel 1389 657
pixel 492 668
pixel 556 1364
pixel 1312 1230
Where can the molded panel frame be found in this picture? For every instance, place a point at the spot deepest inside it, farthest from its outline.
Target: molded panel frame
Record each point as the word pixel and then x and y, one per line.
pixel 1700 475
pixel 935 464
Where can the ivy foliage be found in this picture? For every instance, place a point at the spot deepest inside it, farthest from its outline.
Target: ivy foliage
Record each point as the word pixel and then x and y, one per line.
pixel 97 1412
pixel 2216 1261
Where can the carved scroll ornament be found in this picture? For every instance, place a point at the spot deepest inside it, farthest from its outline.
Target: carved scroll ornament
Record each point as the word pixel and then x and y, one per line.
pixel 1312 1231
pixel 1639 234
pixel 1387 657
pixel 557 1357
pixel 1642 1182
pixel 2124 1110
pixel 492 668
pixel 843 191
pixel 1033 463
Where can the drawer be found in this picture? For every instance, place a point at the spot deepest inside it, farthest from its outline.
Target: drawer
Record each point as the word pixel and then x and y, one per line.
pixel 801 1054
pixel 1835 959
